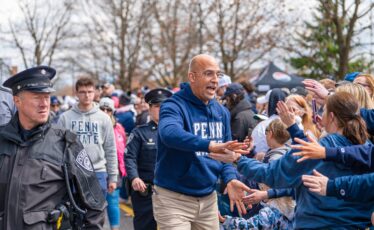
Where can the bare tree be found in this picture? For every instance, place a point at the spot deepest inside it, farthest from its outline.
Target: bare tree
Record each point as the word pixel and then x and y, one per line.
pixel 43 30
pixel 116 33
pixel 344 16
pixel 245 31
pixel 172 40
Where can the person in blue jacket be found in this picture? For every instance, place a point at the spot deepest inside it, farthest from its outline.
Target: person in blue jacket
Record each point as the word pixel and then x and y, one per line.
pixel 192 124
pixel 314 211
pixel 357 188
pixel 353 188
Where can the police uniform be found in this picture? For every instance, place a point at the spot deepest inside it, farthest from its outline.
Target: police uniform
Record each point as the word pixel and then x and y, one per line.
pixel 38 166
pixel 140 157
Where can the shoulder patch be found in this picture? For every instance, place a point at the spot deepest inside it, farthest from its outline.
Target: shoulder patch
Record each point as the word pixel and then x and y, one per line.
pixel 84 161
pixel 129 139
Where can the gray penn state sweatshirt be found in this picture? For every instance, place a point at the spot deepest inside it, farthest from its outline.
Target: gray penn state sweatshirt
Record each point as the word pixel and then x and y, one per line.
pixel 95 130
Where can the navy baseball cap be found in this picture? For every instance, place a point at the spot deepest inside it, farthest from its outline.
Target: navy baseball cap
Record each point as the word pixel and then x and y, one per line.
pixel 234 88
pixel 36 79
pixel 157 96
pixel 54 100
pixel 351 76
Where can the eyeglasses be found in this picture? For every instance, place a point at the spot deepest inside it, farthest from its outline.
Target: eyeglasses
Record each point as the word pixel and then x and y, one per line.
pixel 267 131
pixel 104 109
pixel 211 74
pixel 85 92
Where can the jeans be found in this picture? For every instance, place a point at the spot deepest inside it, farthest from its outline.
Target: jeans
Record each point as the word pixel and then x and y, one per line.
pixel 102 178
pixel 113 208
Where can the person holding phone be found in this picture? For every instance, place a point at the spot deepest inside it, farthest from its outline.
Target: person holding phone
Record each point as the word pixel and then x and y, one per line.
pixel 313 211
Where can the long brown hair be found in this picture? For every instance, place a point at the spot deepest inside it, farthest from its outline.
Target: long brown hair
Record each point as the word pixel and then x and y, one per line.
pixel 345 108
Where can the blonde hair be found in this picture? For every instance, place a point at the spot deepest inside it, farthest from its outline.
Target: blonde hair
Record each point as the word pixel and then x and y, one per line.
pixel 328 84
pixel 279 130
pixel 307 120
pixel 360 94
pixel 370 81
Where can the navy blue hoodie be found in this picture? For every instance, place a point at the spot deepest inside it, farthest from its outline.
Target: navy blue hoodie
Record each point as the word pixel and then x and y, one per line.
pixel 185 129
pixel 313 211
pixel 352 188
pixel 357 156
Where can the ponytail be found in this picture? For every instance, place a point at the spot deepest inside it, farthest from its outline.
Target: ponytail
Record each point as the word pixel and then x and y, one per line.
pixel 355 130
pixel 345 108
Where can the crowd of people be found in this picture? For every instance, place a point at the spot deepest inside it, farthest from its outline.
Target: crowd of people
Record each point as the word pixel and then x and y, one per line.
pixel 211 154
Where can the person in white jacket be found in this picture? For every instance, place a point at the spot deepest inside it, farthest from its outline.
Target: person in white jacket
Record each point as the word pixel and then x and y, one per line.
pixel 95 130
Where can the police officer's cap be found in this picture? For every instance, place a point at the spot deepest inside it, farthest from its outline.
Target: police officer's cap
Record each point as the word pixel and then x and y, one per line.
pixel 157 96
pixel 37 79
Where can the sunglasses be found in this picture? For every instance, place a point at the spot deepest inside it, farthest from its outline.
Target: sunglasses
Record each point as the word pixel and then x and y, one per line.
pixel 105 109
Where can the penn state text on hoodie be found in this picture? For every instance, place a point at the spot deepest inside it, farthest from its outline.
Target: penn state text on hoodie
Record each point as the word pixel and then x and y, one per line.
pixel 186 127
pixel 95 130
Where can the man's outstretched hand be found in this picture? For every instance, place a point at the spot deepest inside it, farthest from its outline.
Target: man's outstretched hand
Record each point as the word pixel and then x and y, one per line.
pixel 230 145
pixel 236 191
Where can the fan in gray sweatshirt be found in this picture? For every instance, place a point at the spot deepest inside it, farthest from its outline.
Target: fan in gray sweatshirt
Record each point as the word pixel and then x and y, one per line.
pixel 95 130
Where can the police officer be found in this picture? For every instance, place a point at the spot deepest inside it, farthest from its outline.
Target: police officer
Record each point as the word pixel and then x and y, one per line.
pixel 140 160
pixel 46 177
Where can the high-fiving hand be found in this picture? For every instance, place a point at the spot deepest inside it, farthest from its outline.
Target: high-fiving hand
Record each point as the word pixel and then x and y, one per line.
pixel 236 191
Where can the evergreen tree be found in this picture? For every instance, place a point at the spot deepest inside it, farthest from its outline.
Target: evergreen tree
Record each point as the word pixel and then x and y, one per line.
pixel 326 46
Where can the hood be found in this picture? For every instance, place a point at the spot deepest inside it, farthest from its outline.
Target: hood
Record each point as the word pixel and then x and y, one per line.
pixel 243 105
pixel 275 96
pixel 277 151
pixel 187 94
pixel 94 109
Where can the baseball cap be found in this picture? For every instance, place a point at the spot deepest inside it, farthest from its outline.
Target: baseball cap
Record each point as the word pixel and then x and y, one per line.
pixel 264 99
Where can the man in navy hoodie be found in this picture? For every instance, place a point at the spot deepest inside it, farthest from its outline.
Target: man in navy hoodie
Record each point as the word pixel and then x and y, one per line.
pixel 192 124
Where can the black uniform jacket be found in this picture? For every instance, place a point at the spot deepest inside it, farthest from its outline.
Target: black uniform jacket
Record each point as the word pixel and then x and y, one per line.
pixel 32 181
pixel 141 152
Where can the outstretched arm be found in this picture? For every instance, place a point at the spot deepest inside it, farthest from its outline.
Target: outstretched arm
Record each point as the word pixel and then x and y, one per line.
pixel 351 188
pixel 356 156
pixel 282 173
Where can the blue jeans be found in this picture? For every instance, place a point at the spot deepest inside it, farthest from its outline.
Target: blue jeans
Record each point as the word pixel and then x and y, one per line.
pixel 102 178
pixel 113 208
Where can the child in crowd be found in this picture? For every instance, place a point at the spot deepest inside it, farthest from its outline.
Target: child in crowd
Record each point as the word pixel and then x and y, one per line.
pixel 107 105
pixel 276 212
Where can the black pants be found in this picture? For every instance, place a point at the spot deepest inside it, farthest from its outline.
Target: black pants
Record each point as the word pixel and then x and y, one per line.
pixel 143 210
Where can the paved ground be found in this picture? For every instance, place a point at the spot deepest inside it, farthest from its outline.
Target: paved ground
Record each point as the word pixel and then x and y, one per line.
pixel 126 218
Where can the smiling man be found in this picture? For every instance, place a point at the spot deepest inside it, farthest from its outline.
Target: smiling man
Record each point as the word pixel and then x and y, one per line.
pixel 33 189
pixel 192 124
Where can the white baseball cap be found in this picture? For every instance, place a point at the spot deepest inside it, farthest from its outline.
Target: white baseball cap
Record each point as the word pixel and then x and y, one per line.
pixel 107 102
pixel 264 99
pixel 223 81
